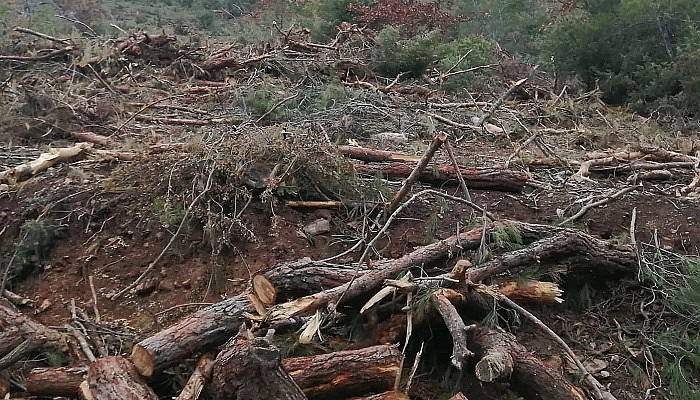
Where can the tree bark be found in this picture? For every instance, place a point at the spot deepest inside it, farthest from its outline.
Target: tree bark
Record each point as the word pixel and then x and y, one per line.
pixel 578 248
pixel 251 370
pixel 21 336
pixel 345 373
pixel 475 178
pixel 373 155
pixel 503 357
pixel 115 378
pixel 213 325
pixel 62 381
pixel 210 326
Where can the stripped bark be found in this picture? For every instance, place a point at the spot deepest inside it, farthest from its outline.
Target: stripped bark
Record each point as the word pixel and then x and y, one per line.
pixel 199 378
pixel 45 161
pixel 372 155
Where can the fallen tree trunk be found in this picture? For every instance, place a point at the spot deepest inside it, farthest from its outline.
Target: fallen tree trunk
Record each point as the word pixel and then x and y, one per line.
pixel 580 249
pixel 210 326
pixel 250 369
pixel 502 358
pixel 215 324
pixel 115 378
pixel 374 279
pixel 345 373
pixel 373 155
pixel 62 381
pixel 45 161
pixel 21 336
pixel 475 178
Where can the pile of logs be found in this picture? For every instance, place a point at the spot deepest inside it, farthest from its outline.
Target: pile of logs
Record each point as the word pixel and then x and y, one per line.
pixel 235 341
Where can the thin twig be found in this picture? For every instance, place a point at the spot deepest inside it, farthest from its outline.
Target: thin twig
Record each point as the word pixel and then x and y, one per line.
pixel 600 202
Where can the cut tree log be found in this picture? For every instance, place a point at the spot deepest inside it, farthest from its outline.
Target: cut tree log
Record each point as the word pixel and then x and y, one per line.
pixel 115 378
pixel 199 378
pixel 475 178
pixel 208 327
pixel 581 250
pixel 215 324
pixel 531 291
pixel 21 336
pixel 502 358
pixel 45 161
pixel 372 155
pixel 345 373
pixel 62 381
pixel 374 279
pixel 250 369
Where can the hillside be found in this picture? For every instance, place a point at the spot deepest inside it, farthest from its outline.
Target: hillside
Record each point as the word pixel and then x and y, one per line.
pixel 376 200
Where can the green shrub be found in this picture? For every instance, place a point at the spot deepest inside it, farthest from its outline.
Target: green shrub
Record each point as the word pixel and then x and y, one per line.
pixel 479 52
pixel 393 55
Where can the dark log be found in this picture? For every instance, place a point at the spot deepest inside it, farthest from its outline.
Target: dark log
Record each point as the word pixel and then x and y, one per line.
pixel 581 250
pixel 115 378
pixel 346 373
pixel 250 369
pixel 208 327
pixel 215 324
pixel 475 178
pixel 372 155
pixel 62 381
pixel 21 336
pixel 502 356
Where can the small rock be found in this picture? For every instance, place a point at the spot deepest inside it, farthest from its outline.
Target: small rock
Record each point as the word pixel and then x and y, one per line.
pixel 43 306
pixel 604 374
pixel 166 286
pixel 318 227
pixel 4 187
pixel 595 365
pixel 390 137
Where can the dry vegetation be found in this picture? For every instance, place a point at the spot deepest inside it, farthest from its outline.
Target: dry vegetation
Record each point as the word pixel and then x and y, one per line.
pixel 334 215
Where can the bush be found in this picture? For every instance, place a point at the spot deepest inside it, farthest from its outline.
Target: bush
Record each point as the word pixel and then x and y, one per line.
pixel 393 55
pixel 480 52
pixel 635 50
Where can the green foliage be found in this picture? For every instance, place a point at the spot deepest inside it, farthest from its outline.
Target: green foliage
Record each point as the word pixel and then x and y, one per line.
pixel 507 236
pixel 393 55
pixel 330 94
pixel 512 23
pixel 327 15
pixel 37 239
pixel 638 51
pixel 478 51
pixel 169 214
